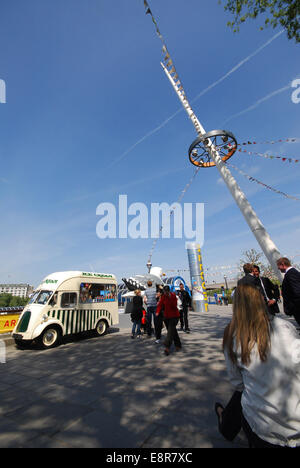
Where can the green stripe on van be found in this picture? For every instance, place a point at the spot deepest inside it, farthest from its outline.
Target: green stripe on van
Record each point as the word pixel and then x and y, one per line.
pixel 75 321
pixel 68 321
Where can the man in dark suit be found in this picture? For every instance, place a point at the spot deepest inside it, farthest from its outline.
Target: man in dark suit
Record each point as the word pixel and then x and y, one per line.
pixel 249 278
pixel 290 288
pixel 270 291
pixel 186 303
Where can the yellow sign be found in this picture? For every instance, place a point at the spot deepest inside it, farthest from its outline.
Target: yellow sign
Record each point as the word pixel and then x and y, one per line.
pixel 8 322
pixel 203 281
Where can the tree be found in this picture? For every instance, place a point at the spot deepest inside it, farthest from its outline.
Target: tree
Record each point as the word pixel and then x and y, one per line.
pixel 275 12
pixel 251 256
pixel 254 257
pixel 8 300
pixel 5 299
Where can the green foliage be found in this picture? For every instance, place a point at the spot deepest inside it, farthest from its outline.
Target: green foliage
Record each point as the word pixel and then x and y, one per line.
pixel 272 12
pixel 228 292
pixel 7 300
pixel 211 292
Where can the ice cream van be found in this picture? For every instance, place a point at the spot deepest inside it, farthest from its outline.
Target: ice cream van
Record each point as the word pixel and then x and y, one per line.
pixel 66 303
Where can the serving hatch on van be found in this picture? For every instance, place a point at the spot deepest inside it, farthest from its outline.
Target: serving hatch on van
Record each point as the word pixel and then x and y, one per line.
pixel 66 303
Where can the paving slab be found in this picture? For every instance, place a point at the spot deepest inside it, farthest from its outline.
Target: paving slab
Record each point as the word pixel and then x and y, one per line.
pixel 117 392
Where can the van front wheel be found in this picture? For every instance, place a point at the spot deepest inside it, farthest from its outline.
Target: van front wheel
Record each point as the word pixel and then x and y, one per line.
pixel 50 338
pixel 101 328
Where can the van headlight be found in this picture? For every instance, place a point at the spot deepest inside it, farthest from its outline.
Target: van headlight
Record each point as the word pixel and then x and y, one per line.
pixel 45 318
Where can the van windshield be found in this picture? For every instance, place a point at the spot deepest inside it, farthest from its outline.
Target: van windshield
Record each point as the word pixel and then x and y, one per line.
pixel 41 297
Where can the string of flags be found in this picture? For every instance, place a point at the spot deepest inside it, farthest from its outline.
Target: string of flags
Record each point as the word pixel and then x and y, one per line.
pixel 272 142
pixel 253 179
pixel 183 192
pixel 222 267
pixel 269 156
pixel 169 64
pixel 166 54
pixel 187 186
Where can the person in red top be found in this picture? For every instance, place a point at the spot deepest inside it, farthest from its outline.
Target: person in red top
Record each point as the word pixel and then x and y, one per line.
pixel 168 303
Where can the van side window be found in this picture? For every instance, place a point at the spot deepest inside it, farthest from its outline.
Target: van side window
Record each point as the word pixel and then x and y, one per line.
pixel 68 300
pixel 95 292
pixel 53 300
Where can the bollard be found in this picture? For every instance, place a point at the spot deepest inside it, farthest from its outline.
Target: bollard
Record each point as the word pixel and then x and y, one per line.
pixel 2 352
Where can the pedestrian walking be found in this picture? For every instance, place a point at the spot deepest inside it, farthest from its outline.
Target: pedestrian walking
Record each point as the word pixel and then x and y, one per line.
pixel 186 303
pixel 179 307
pixel 137 314
pixel 224 297
pixel 168 301
pixel 290 288
pixel 159 318
pixel 262 358
pixel 151 303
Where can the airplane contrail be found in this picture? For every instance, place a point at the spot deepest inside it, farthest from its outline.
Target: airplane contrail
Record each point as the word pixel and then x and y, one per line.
pixel 144 138
pixel 236 67
pixel 257 103
pixel 211 86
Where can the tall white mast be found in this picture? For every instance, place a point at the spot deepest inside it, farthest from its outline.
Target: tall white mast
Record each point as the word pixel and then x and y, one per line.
pixel 267 245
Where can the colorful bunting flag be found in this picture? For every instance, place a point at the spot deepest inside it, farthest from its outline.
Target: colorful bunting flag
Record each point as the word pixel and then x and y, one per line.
pixel 286 140
pixel 268 156
pixel 253 179
pixel 166 54
pixel 183 192
pixel 169 63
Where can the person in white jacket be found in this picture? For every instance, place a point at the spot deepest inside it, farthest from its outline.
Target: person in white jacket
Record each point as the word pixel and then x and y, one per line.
pixel 262 355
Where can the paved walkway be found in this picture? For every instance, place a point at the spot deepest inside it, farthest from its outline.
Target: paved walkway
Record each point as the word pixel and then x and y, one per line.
pixel 117 392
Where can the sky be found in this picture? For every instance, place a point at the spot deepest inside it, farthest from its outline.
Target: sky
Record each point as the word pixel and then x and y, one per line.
pixel 89 115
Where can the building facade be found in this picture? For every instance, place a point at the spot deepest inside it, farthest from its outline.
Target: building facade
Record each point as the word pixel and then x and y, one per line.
pixel 20 290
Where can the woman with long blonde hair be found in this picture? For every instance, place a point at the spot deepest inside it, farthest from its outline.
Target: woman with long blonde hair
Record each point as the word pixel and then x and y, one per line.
pixel 262 355
pixel 249 327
